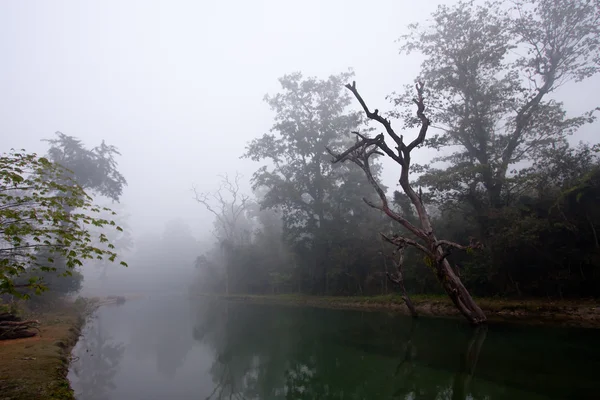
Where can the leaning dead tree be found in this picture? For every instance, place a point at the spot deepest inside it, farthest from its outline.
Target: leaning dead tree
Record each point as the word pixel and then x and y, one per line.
pixel 227 204
pixel 436 251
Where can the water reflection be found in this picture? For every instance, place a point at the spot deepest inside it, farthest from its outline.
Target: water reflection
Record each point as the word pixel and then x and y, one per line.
pixel 290 357
pixel 95 367
pixel 277 353
pixel 163 335
pixel 208 349
pixel 468 362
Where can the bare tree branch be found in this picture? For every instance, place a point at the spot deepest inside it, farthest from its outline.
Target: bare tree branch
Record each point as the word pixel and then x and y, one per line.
pixel 421 114
pixel 401 241
pixel 226 211
pixel 375 116
pixel 360 155
pixel 473 244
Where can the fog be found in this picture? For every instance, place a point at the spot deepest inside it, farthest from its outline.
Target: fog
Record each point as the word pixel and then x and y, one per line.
pixel 178 86
pixel 185 89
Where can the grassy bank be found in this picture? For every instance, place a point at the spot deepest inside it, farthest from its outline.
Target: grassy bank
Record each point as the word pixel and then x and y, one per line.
pixel 36 367
pixel 583 313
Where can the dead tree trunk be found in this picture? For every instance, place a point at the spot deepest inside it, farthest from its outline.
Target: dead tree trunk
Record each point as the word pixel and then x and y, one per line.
pixel 436 251
pixel 458 292
pixel 399 280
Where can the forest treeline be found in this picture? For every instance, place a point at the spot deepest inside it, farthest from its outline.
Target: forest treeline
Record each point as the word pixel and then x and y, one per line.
pixel 503 179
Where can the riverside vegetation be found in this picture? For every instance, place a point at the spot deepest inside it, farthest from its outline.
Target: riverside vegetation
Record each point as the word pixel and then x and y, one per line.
pixel 507 209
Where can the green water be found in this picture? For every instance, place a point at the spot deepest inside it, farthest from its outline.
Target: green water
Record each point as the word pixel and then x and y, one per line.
pixel 177 348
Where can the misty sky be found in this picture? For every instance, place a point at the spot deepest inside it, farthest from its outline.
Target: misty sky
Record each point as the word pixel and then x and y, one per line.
pixel 178 86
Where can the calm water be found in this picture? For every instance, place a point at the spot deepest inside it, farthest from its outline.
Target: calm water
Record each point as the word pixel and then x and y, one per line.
pixel 174 347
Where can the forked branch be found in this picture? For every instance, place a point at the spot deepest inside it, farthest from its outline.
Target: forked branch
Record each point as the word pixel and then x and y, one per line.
pixel 448 246
pixel 421 115
pixel 401 241
pixel 360 154
pixel 376 117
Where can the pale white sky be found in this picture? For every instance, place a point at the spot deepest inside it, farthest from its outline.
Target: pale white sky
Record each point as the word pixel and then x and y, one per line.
pixel 178 86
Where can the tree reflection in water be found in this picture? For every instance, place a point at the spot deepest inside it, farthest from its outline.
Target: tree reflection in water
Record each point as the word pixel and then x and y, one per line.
pixel 272 353
pixel 462 378
pixel 199 348
pixel 99 356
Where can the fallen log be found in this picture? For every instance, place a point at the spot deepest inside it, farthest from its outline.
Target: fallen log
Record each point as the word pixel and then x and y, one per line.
pixel 18 329
pixel 20 323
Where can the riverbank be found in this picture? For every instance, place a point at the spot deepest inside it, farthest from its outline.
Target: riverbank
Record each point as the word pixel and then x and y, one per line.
pixel 581 313
pixel 37 367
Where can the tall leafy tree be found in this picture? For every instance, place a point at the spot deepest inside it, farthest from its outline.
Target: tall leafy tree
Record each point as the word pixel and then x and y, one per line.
pixel 491 71
pixel 95 171
pixel 38 223
pixel 310 115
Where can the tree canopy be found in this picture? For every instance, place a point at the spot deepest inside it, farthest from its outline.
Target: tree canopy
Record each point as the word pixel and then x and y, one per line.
pixel 320 203
pixel 43 209
pixel 490 71
pixel 93 169
pixel 507 179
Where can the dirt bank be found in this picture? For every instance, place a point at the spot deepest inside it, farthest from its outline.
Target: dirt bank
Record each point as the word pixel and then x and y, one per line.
pixel 37 367
pixel 582 313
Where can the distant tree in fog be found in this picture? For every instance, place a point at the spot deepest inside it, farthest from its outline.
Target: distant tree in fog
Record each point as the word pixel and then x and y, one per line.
pixel 229 205
pixel 93 169
pixel 319 202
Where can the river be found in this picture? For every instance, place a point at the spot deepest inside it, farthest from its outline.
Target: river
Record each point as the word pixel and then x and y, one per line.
pixel 178 347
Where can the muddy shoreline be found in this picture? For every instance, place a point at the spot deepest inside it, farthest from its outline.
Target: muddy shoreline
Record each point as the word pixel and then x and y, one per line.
pixel 584 314
pixel 37 367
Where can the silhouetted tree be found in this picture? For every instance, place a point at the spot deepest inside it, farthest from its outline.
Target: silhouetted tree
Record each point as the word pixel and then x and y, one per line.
pixel 435 250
